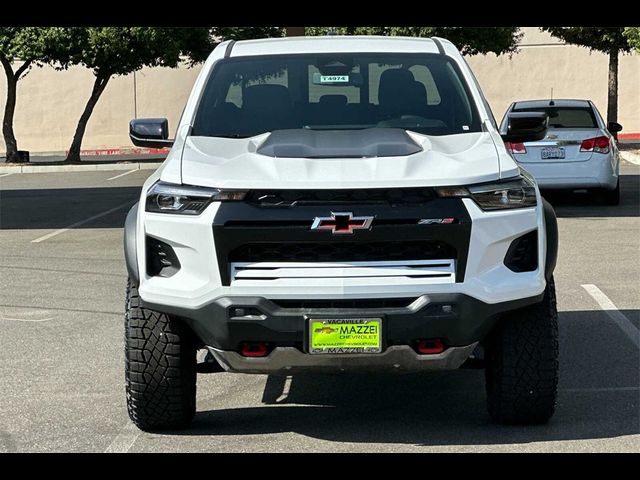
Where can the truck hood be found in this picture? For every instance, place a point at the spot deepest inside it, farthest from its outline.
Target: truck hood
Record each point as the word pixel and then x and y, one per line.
pixel 235 163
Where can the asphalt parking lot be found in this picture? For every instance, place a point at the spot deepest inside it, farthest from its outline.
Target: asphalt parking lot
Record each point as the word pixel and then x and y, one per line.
pixel 62 280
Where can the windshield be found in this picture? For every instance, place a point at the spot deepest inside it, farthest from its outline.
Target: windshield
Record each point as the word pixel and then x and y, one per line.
pixel 247 96
pixel 566 117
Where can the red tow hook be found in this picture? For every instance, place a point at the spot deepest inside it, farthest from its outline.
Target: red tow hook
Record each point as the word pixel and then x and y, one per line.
pixel 430 347
pixel 254 349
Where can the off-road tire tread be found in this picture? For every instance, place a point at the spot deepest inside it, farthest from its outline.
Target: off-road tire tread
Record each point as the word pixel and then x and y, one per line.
pixel 160 367
pixel 522 363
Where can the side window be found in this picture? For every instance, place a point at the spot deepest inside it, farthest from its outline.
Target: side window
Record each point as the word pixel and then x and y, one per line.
pixel 375 72
pixel 234 94
pixel 423 75
pixel 420 73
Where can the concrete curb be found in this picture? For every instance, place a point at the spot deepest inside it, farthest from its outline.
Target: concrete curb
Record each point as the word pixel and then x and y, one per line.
pixel 631 157
pixel 79 168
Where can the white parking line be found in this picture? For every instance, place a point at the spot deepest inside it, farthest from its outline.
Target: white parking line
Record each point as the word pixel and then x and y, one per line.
pixel 599 389
pixel 81 222
pixel 124 440
pixel 612 311
pixel 285 389
pixel 6 174
pixel 122 175
pixel 9 319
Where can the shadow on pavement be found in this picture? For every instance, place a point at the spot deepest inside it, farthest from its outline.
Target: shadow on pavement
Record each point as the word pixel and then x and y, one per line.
pixel 60 207
pixel 597 399
pixel 588 204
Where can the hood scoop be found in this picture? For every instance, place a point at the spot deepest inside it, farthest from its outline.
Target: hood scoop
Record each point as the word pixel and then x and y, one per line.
pixel 364 143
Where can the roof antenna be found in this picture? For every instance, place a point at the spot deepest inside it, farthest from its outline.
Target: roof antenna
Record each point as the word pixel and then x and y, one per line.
pixel 551 102
pixel 332 31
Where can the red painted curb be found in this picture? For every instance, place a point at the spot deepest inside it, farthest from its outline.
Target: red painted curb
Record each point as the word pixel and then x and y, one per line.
pixel 122 151
pixel 161 151
pixel 629 136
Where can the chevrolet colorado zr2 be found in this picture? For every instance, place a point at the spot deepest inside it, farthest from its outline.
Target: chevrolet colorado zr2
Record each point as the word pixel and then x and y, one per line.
pixel 339 204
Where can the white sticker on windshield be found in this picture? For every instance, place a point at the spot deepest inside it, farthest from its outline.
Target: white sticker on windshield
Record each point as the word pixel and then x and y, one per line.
pixel 334 79
pixel 465 127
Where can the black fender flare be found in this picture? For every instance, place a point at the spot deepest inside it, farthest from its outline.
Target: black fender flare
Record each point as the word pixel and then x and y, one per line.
pixel 551 227
pixel 130 250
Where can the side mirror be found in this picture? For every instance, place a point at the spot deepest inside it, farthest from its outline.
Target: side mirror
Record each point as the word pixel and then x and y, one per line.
pixel 150 132
pixel 525 127
pixel 614 127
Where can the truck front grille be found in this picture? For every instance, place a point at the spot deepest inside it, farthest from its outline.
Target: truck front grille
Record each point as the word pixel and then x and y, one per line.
pixel 341 252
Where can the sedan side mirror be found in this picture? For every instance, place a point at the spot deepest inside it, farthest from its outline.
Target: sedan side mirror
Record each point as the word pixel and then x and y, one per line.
pixel 614 127
pixel 525 127
pixel 150 132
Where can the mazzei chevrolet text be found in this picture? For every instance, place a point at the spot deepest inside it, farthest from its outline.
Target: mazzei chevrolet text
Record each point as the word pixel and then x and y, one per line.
pixel 339 204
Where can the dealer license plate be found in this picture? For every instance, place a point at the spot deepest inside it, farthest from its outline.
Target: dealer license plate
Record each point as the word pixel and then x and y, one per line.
pixel 552 152
pixel 345 336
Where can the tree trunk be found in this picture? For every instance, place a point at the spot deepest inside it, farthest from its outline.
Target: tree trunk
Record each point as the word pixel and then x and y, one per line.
pixel 294 31
pixel 74 150
pixel 10 107
pixel 612 102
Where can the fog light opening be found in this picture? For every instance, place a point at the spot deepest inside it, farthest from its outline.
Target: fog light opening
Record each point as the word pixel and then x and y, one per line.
pixel 431 346
pixel 254 349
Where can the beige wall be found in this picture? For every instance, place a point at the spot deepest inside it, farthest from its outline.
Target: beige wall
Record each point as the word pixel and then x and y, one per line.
pixel 50 102
pixel 543 63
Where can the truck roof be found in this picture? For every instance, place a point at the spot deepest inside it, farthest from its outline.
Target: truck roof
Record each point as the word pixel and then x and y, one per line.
pixel 334 44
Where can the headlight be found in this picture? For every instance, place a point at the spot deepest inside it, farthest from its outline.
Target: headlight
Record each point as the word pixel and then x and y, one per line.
pixel 185 199
pixel 516 192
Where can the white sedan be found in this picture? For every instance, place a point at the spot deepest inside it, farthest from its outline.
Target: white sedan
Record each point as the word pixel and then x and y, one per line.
pixel 578 152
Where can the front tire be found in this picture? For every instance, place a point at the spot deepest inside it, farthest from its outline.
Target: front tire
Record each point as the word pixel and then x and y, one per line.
pixel 160 367
pixel 522 363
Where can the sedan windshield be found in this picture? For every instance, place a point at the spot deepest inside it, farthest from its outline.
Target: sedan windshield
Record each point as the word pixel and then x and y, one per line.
pixel 566 117
pixel 246 96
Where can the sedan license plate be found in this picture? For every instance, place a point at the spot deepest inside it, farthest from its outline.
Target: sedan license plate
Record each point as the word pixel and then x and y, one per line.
pixel 345 336
pixel 552 153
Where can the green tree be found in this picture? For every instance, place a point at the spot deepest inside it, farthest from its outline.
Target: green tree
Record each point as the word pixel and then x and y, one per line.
pixel 633 37
pixel 609 40
pixel 110 51
pixel 20 49
pixel 470 40
pixel 246 33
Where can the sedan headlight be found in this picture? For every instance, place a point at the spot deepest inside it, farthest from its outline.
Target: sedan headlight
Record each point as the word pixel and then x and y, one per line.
pixel 516 192
pixel 185 199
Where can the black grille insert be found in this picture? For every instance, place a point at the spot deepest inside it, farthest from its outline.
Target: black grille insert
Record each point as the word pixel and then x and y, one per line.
pixel 366 303
pixel 342 252
pixel 388 196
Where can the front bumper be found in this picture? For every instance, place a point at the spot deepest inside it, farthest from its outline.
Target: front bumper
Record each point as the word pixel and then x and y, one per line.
pixel 459 320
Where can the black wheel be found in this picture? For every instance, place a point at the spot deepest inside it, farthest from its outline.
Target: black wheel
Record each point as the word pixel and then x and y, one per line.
pixel 522 363
pixel 612 197
pixel 160 367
